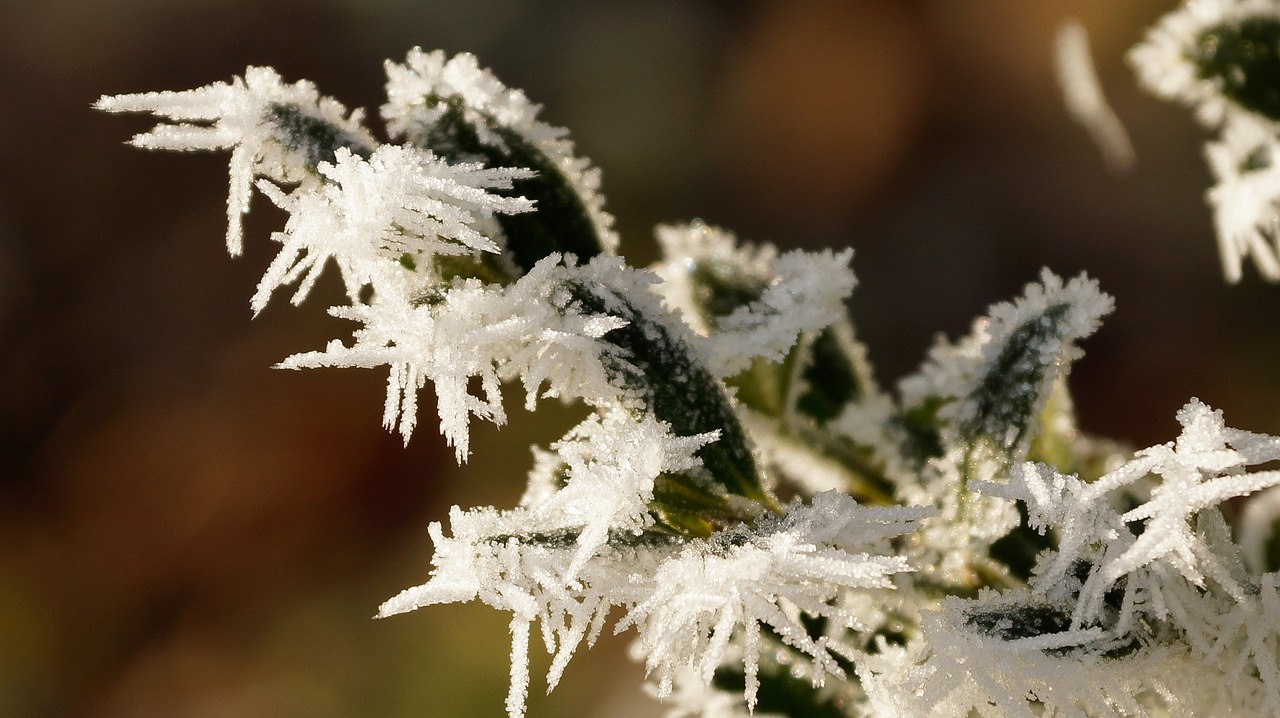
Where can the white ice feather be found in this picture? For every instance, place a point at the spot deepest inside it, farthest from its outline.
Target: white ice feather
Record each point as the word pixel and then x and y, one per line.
pixel 371 214
pixel 526 330
pixel 684 598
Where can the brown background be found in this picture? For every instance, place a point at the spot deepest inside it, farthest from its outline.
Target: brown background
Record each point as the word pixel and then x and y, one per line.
pixel 187 532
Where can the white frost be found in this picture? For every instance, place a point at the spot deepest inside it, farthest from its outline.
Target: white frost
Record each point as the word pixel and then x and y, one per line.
pixel 686 599
pixel 800 292
pixel 371 215
pixel 240 116
pixel 1082 92
pixel 429 76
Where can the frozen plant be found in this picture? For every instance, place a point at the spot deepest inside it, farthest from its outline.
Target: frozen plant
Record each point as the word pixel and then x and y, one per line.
pixel 783 535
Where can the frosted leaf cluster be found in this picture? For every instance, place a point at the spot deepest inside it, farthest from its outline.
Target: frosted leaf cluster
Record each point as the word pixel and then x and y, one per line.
pixel 1219 57
pixel 686 599
pixel 1163 578
pixel 267 124
pixel 781 535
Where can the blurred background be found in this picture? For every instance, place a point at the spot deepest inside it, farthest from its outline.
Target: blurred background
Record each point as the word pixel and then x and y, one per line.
pixel 186 532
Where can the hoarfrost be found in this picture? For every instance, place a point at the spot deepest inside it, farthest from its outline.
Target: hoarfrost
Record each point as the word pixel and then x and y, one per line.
pixel 274 130
pixel 376 218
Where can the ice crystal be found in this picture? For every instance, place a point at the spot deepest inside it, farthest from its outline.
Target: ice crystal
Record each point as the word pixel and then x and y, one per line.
pixel 531 330
pixel 1085 101
pixel 274 130
pixel 382 218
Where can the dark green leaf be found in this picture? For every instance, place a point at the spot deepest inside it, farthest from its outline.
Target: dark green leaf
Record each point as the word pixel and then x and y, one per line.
pixel 560 222
pixel 313 138
pixel 1243 59
pixel 659 367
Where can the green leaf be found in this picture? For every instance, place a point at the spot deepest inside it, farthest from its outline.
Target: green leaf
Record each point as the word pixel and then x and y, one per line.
pixel 315 139
pixel 833 374
pixel 822 375
pixel 658 366
pixel 685 506
pixel 720 287
pixel 1009 395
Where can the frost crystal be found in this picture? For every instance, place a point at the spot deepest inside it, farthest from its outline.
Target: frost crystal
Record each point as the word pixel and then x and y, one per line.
pixel 278 131
pixel 686 599
pixel 1085 101
pixel 531 330
pixel 382 218
pixel 1197 473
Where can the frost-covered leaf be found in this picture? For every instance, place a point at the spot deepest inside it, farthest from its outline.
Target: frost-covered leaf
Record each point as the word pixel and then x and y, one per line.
pixel 385 220
pixel 1216 56
pixel 274 130
pixel 654 359
pixel 992 386
pixel 980 401
pixel 750 301
pixel 1245 161
pixel 593 332
pixel 685 598
pixel 462 112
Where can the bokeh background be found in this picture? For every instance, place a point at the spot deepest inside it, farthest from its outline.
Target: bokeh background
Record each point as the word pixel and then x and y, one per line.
pixel 186 532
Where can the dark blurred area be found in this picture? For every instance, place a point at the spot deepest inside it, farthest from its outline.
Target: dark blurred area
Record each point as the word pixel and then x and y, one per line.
pixel 185 531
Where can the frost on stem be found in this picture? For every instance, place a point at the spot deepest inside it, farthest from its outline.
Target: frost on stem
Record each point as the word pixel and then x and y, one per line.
pixel 274 130
pixel 1222 58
